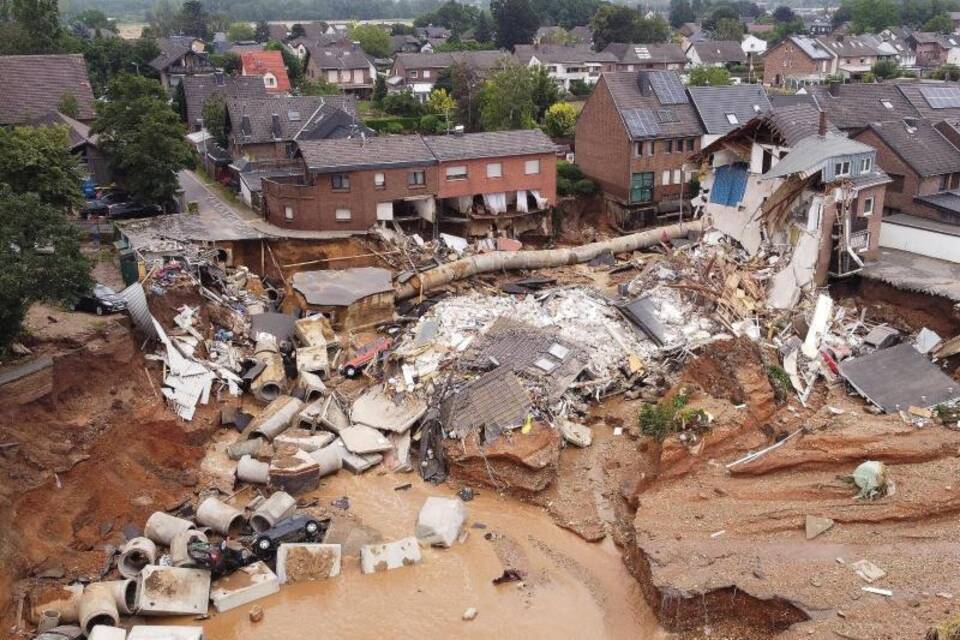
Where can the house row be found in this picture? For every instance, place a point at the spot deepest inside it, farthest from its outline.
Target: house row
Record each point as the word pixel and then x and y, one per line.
pixel 470 184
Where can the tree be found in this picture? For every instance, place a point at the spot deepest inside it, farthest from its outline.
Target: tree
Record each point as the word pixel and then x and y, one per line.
pixel 886 69
pixel 318 87
pixel 507 99
pixel 372 39
pixel 702 76
pixel 218 22
pixel 941 23
pixel 841 15
pixel 784 29
pixel 783 13
pixel 580 88
pixel 400 29
pixel 41 257
pixel 163 19
pixel 38 160
pixel 458 18
pixel 229 62
pixel 873 16
pixel 441 104
pixel 560 120
pixel 515 20
pixel 947 72
pixel 728 29
pixel 483 32
pixel 722 12
pixel 96 20
pixel 215 118
pixel 557 36
pixel 680 13
pixel 262 32
pixel 40 22
pixel 297 31
pixel 466 86
pixel 379 89
pixel 402 103
pixel 619 23
pixel 545 91
pixel 193 19
pixel 107 57
pixel 143 138
pixel 240 32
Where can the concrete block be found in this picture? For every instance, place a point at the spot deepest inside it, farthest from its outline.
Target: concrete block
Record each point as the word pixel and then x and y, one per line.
pixel 165 632
pixel 306 562
pixel 353 462
pixel 304 439
pixel 103 632
pixel 362 440
pixel 389 555
pixel 170 591
pixel 244 586
pixel 440 521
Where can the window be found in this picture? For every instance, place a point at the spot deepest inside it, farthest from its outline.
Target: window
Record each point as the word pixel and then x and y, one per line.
pixel 732 118
pixel 414 74
pixel 842 168
pixel 867 207
pixel 453 173
pixel 379 180
pixel 639 149
pixel 340 181
pixel 426 74
pixel 886 103
pixel 343 215
pixel 665 177
pixel 494 170
pixel 288 212
pixel 690 143
pixel 944 182
pixel 866 164
pixel 668 144
pixel 676 176
pixel 416 178
pixel 532 167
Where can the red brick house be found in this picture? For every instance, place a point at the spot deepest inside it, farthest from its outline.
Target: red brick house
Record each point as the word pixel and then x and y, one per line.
pixel 796 61
pixel 636 133
pixel 269 66
pixel 344 65
pixel 418 72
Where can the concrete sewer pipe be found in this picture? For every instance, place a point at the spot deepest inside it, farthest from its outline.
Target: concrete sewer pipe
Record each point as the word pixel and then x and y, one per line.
pixel 253 471
pixel 180 547
pixel 98 606
pixel 161 527
pixel 276 418
pixel 279 506
pixel 513 260
pixel 135 555
pixel 269 385
pixel 220 516
pixel 124 595
pixel 66 610
pixel 329 460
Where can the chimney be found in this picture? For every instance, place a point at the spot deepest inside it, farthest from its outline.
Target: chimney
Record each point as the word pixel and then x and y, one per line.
pixel 643 82
pixel 275 125
pixel 823 124
pixel 219 78
pixel 834 89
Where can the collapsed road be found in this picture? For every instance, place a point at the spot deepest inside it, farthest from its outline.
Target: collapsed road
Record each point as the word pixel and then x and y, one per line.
pixel 624 439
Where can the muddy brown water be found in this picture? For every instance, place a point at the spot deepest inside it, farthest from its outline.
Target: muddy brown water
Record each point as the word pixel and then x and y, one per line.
pixel 571 589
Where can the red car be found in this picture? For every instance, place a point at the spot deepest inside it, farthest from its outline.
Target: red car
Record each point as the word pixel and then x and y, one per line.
pixel 364 356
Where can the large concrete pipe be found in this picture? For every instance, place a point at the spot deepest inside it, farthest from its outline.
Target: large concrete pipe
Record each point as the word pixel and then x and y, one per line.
pixel 97 606
pixel 124 594
pixel 253 470
pixel 272 380
pixel 275 419
pixel 66 607
pixel 161 527
pixel 277 507
pixel 180 547
pixel 135 555
pixel 223 518
pixel 329 460
pixel 244 447
pixel 49 618
pixel 512 260
pixel 311 387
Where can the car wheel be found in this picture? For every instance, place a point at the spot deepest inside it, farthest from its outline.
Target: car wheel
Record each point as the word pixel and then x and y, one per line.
pixel 350 371
pixel 99 310
pixel 263 544
pixel 312 528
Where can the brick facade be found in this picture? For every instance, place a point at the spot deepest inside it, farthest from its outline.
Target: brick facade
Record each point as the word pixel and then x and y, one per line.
pixel 513 177
pixel 786 60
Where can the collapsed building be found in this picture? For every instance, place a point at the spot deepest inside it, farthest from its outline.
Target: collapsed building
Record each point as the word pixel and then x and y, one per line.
pixel 788 182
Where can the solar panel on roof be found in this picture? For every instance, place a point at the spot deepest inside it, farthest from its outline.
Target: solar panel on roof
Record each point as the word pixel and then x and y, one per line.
pixel 641 123
pixel 941 97
pixel 668 88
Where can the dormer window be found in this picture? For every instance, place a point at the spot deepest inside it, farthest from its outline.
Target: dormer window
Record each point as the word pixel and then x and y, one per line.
pixel 866 165
pixel 842 169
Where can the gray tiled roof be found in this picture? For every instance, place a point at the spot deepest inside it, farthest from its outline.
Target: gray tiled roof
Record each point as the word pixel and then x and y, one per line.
pixel 717 51
pixel 560 54
pixel 490 144
pixel 912 92
pixel 922 147
pixel 171 50
pixel 198 89
pixel 811 47
pixel 853 106
pixel 327 156
pixel 482 60
pixel 330 121
pixel 34 85
pixel 625 90
pixel 797 122
pixel 713 104
pixel 251 119
pixel 338 56
pixel 811 153
pixel 856 46
pixel 662 53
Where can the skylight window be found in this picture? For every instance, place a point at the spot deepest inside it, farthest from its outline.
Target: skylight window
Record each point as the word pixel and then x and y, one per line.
pixel 886 103
pixel 732 118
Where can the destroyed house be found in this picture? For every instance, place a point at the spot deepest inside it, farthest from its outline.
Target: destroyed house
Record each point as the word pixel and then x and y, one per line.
pixel 496 181
pixel 636 133
pixel 788 179
pixel 349 298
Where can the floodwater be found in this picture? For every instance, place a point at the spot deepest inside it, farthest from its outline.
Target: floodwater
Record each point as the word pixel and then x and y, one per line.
pixel 571 588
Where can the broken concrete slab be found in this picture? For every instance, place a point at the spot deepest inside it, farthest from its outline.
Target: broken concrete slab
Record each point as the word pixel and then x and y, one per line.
pixel 899 377
pixel 304 439
pixel 104 632
pixel 927 340
pixel 816 525
pixel 362 440
pixel 325 413
pixel 387 412
pixel 243 586
pixel 353 462
pixel 306 562
pixel 867 570
pixel 440 521
pixel 165 632
pixel 882 336
pixel 389 555
pixel 579 435
pixel 171 591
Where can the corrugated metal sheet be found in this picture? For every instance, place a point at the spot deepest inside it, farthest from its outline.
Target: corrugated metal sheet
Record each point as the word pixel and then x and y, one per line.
pixel 136 299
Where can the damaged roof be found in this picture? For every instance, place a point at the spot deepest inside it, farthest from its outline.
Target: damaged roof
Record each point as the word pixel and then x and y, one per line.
pixel 653 104
pixel 351 154
pixel 495 399
pixel 341 287
pixel 920 146
pixel 797 122
pixel 898 378
pixel 717 106
pixel 490 144
pixel 812 153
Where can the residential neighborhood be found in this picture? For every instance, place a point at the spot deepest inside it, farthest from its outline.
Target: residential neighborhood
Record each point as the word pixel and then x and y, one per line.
pixel 519 319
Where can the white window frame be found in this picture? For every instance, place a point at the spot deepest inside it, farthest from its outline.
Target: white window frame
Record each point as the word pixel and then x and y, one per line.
pixel 379 180
pixel 677 176
pixel 426 74
pixel 287 212
pixel 532 167
pixel 732 118
pixel 343 215
pixel 494 169
pixel 665 177
pixel 456 172
pixel 866 165
pixel 839 170
pixel 414 73
pixel 867 210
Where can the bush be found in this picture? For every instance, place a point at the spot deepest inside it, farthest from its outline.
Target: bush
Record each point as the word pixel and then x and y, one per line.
pixel 431 124
pixel 395 128
pixel 669 416
pixel 564 186
pixel 402 103
pixel 580 88
pixel 393 125
pixel 585 187
pixel 569 171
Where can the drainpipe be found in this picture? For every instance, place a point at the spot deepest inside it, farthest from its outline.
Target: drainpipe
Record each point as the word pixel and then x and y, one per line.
pixel 161 527
pixel 275 419
pixel 136 554
pixel 279 506
pixel 220 516
pixel 66 610
pixel 329 460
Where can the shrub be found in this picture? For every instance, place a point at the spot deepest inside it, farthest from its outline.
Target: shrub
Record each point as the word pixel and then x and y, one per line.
pixel 670 416
pixel 569 171
pixel 402 103
pixel 585 187
pixel 431 124
pixel 580 88
pixel 393 125
pixel 564 186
